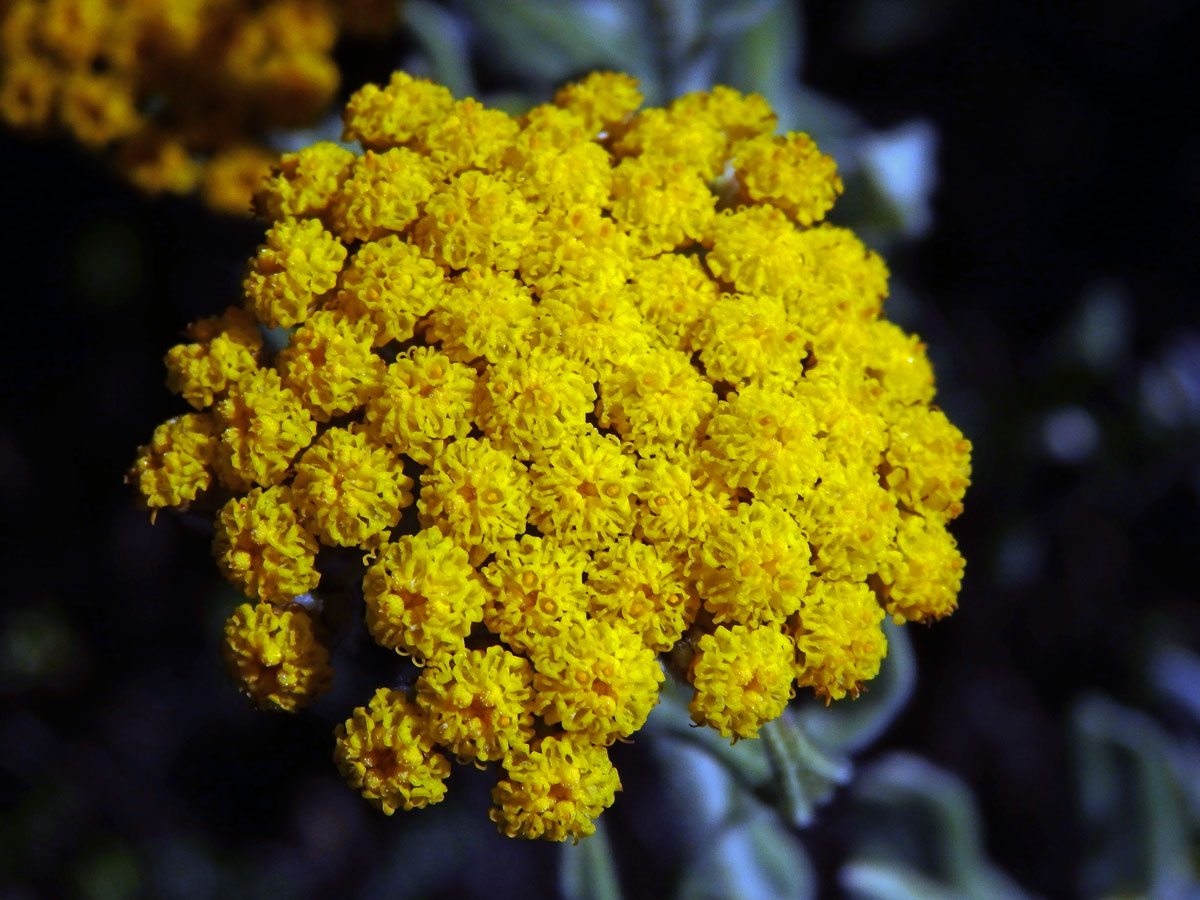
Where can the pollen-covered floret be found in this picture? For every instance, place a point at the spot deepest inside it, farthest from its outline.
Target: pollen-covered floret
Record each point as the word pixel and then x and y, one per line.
pixel 535 590
pixel 384 751
pixel 582 492
pixel 262 426
pixel 299 262
pixel 743 678
pixel 655 412
pixel 425 401
pixel 223 352
pixel 275 657
pixel 477 494
pixel 262 548
pixel 555 790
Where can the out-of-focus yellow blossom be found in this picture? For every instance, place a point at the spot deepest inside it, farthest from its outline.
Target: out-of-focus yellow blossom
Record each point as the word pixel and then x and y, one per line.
pixel 186 92
pixel 743 678
pixel 275 657
pixel 262 548
pixel 385 752
pixel 555 790
pixel 656 417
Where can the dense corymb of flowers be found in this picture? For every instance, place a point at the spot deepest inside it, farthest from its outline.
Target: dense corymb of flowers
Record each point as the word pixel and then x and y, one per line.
pixel 598 395
pixel 179 93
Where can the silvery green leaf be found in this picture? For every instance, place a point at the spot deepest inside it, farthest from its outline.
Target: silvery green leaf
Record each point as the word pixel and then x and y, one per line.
pixel 442 37
pixel 886 881
pixel 587 869
pixel 753 859
pixel 554 41
pixel 804 774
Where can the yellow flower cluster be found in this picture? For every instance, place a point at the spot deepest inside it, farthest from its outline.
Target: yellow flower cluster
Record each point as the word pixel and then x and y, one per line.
pixel 180 93
pixel 642 400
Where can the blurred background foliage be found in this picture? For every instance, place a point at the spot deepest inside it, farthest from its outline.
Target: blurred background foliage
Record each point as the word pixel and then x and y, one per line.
pixel 1033 184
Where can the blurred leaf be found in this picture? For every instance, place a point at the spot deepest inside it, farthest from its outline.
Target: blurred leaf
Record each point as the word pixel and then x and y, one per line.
pixel 553 41
pixel 898 795
pixel 804 774
pixel 588 871
pixel 752 859
pixel 441 36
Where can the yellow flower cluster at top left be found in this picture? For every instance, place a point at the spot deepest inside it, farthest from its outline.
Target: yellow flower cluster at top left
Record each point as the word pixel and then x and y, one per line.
pixel 180 92
pixel 643 400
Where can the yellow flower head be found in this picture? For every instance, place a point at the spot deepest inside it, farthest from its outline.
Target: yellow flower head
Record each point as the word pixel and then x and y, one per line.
pixel 275 657
pixel 349 489
pixel 262 548
pixel 554 791
pixel 599 681
pixel 177 463
pixel 743 678
pixel 384 751
pixel 535 590
pixel 654 412
pixel 479 703
pixel 422 595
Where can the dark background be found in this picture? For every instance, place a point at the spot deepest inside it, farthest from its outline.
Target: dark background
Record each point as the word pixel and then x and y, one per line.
pixel 1055 290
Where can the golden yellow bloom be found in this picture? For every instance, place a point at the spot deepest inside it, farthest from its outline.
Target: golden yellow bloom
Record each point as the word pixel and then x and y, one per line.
pixel 535 590
pixel 98 109
pixel 158 162
pixel 224 352
pixel 475 220
pixel 555 790
pixel 743 678
pixel 598 682
pixel 838 638
pixel 275 657
pixel 330 366
pixel 477 494
pixel 299 262
pixel 632 583
pixel 788 172
pixel 920 578
pixel 383 751
pixel 303 183
pixel 582 491
pixel 479 703
pixel 755 567
pixel 423 595
pixel 381 194
pixel 652 405
pixel 425 402
pixel 392 285
pixel 348 489
pixel 531 403
pixel 262 427
pixel 602 99
pixel 177 463
pixel 233 175
pixel 262 548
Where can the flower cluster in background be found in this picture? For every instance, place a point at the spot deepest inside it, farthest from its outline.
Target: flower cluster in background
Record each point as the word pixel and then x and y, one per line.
pixel 180 94
pixel 592 389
